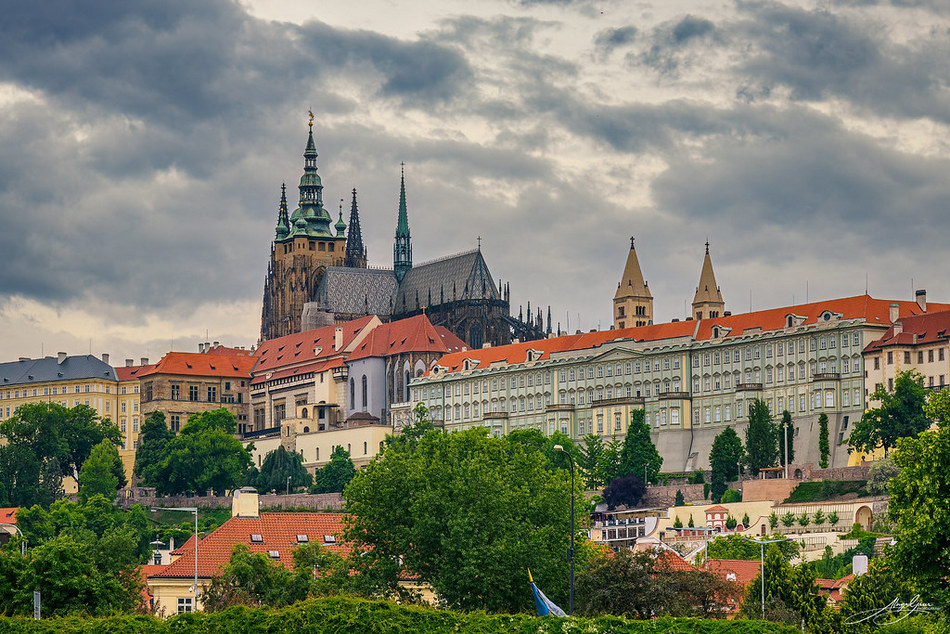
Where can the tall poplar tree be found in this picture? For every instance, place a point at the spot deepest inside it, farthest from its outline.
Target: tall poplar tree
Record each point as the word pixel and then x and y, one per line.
pixel 761 439
pixel 823 446
pixel 786 436
pixel 639 455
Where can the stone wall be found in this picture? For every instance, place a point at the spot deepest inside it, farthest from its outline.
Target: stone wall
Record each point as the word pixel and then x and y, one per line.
pixel 318 502
pixel 809 472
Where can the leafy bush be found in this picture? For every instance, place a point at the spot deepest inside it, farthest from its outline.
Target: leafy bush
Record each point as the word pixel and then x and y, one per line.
pixel 731 495
pixel 697 477
pixel 825 490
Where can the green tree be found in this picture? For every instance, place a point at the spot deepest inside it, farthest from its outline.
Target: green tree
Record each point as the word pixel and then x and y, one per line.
pixel 46 442
pixel 731 495
pixel 900 415
pixel 336 474
pixel 153 440
pixel 760 438
pixel 677 522
pixel 690 522
pixel 639 455
pixel 833 518
pixel 679 500
pixel 819 517
pixel 97 474
pixel 593 462
pixel 773 520
pixel 626 491
pixel 920 505
pixel 698 476
pixel 735 547
pixel 788 437
pixel 791 595
pixel 725 457
pixel 731 522
pixel 279 466
pixel 467 514
pixel 788 519
pixel 823 447
pixel 745 520
pixel 878 591
pixel 880 475
pixel 804 520
pixel 204 456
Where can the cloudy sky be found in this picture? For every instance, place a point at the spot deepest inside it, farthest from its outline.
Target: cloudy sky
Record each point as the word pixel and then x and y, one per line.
pixel 143 144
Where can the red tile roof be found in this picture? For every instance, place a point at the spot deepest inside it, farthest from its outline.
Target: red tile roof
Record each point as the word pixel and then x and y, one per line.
pixel 241 352
pixel 415 334
pixel 833 587
pixel 865 307
pixel 278 531
pixel 308 346
pixel 8 515
pixel 130 372
pixel 744 570
pixel 199 364
pixel 147 571
pixel 668 560
pixel 916 330
pixel 319 366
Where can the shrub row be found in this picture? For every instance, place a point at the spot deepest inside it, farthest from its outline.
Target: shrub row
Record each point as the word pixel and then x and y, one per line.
pixel 341 614
pixel 826 490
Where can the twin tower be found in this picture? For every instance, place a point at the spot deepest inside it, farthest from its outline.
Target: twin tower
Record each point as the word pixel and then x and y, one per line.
pixel 633 303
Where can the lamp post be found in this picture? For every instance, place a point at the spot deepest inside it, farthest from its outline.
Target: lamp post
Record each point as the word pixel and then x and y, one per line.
pixel 570 551
pixel 288 484
pixel 762 544
pixel 22 541
pixel 188 509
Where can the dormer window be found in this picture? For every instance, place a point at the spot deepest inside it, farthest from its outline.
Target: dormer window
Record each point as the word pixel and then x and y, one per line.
pixel 329 539
pixel 257 538
pixel 303 539
pixel 273 554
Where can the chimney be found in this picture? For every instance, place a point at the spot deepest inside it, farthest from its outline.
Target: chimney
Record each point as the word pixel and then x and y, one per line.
pixel 922 299
pixel 244 503
pixel 105 358
pixel 894 312
pixel 144 361
pixel 129 363
pixel 61 357
pixel 201 347
pixel 859 565
pixel 898 327
pixel 338 338
pixel 217 343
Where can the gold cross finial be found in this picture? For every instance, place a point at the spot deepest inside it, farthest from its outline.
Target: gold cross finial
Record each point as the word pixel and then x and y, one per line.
pixel 311 117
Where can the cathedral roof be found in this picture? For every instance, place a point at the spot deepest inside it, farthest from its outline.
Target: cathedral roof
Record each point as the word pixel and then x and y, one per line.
pixel 357 291
pixel 632 284
pixel 464 276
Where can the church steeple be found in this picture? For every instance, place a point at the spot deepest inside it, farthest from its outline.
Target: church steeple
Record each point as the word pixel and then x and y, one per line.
pixel 283 222
pixel 311 194
pixel 355 251
pixel 707 302
pixel 633 303
pixel 402 249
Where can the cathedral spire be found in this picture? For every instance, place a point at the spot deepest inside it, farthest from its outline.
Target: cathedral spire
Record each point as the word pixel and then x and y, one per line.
pixel 402 250
pixel 707 302
pixel 311 194
pixel 633 303
pixel 283 221
pixel 355 251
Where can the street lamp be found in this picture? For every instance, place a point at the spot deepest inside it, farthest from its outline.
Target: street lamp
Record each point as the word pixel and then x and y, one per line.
pixel 570 551
pixel 762 544
pixel 187 509
pixel 22 540
pixel 288 484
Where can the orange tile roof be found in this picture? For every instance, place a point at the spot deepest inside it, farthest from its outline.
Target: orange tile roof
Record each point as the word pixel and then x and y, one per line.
pixel 319 366
pixel 414 334
pixel 241 352
pixel 130 372
pixel 833 587
pixel 8 515
pixel 302 347
pixel 874 311
pixel 199 364
pixel 744 570
pixel 668 560
pixel 916 330
pixel 278 531
pixel 145 572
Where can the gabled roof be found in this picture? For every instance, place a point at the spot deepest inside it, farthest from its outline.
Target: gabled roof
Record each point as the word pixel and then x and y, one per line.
pixel 744 570
pixel 669 560
pixel 717 509
pixel 298 370
pixel 928 328
pixel 310 345
pixel 631 283
pixel 200 364
pixel 132 372
pixel 278 532
pixel 32 371
pixel 414 334
pixel 457 277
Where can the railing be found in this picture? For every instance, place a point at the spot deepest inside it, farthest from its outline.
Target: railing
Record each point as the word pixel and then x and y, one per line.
pixel 495 415
pixel 825 376
pixel 670 396
pixel 620 400
pixel 261 433
pixel 560 407
pixel 748 387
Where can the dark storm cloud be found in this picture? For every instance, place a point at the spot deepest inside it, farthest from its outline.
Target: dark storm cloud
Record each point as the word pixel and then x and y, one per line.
pixel 819 54
pixel 671 43
pixel 152 130
pixel 609 39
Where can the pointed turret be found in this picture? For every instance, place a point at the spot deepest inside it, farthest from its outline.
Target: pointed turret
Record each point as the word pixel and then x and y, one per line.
pixel 707 302
pixel 340 226
pixel 355 251
pixel 283 221
pixel 402 249
pixel 633 303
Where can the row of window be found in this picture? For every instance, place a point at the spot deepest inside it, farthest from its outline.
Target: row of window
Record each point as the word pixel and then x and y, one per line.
pixel 47 391
pixel 907 357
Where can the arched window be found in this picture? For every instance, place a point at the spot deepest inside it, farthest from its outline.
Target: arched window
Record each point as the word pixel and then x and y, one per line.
pixel 352 393
pixel 364 392
pixel 303 413
pixel 406 388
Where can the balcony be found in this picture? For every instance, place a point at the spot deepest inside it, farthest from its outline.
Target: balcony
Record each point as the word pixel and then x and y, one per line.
pixel 495 416
pixel 674 396
pixel 825 376
pixel 748 387
pixel 560 407
pixel 620 400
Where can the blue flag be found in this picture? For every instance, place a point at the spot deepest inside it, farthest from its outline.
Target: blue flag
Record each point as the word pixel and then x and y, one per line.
pixel 544 605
